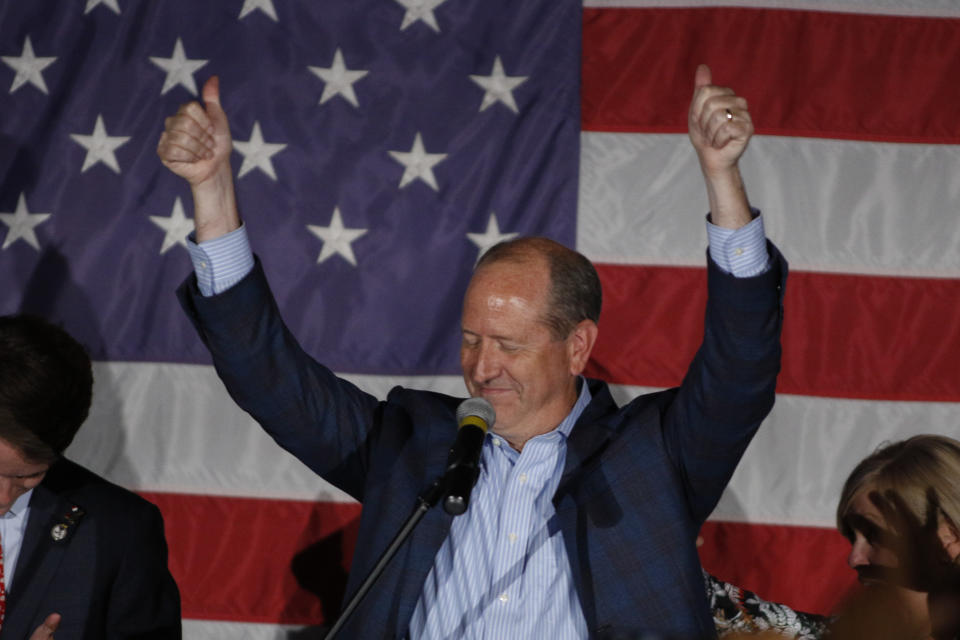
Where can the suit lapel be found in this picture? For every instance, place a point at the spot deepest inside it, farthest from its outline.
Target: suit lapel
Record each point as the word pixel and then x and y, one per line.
pixel 428 537
pixel 589 435
pixel 38 562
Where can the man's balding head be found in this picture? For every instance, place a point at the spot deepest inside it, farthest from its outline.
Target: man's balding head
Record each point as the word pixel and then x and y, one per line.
pixel 575 292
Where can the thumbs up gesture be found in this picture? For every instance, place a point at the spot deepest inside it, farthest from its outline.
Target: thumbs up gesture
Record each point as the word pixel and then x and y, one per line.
pixel 196 143
pixel 719 123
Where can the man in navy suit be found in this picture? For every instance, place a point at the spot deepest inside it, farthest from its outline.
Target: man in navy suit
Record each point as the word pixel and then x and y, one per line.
pixel 584 518
pixel 81 557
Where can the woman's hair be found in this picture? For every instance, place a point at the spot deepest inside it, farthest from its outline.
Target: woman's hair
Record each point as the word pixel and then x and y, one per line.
pixel 918 470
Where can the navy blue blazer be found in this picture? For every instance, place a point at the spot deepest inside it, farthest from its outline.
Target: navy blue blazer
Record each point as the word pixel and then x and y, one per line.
pixel 638 481
pixel 105 570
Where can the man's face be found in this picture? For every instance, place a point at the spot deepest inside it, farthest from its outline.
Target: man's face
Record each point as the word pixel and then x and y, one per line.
pixel 17 475
pixel 509 356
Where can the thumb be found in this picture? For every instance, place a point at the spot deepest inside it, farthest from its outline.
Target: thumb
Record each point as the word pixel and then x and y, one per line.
pixel 211 91
pixel 211 100
pixel 45 631
pixel 52 622
pixel 701 79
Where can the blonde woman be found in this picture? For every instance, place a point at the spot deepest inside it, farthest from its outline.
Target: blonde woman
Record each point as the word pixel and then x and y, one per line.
pixel 900 509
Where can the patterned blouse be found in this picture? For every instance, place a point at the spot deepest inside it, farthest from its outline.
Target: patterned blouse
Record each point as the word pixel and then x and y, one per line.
pixel 737 610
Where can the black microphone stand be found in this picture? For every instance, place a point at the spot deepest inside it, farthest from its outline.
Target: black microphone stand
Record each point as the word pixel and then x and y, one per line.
pixel 425 501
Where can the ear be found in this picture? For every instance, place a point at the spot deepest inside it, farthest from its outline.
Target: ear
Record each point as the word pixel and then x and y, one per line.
pixel 579 345
pixel 949 536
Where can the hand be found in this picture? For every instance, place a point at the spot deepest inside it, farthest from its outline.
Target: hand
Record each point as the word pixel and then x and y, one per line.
pixel 719 124
pixel 45 630
pixel 720 141
pixel 196 143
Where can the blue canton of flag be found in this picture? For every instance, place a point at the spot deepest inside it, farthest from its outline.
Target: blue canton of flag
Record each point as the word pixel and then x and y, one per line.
pixel 380 145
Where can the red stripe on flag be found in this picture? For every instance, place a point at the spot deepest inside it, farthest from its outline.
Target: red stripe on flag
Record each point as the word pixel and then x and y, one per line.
pixel 844 335
pixel 285 561
pixel 256 560
pixel 805 73
pixel 803 567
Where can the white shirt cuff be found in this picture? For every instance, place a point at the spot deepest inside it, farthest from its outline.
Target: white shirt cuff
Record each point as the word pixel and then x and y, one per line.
pixel 740 252
pixel 222 262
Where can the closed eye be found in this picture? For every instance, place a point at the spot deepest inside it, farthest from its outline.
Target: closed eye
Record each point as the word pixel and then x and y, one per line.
pixel 873 533
pixel 30 475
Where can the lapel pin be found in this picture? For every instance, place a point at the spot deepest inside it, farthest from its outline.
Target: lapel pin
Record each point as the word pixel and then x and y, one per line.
pixel 66 524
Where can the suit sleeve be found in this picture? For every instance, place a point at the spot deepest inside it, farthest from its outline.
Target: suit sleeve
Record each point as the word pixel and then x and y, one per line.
pixel 326 422
pixel 144 602
pixel 730 386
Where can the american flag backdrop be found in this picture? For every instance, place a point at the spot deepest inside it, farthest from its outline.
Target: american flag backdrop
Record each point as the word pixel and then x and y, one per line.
pixel 380 145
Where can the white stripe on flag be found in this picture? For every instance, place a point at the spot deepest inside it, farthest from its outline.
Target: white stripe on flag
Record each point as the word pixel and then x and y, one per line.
pixel 206 629
pixel 159 440
pixel 642 202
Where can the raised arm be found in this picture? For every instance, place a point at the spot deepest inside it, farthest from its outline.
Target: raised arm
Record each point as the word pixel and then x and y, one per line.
pixel 720 128
pixel 730 385
pixel 196 145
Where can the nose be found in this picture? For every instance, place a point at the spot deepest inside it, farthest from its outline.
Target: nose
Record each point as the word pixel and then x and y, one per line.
pixel 486 364
pixel 859 554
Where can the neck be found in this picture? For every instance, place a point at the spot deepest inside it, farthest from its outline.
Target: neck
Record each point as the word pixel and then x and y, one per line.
pixel 550 420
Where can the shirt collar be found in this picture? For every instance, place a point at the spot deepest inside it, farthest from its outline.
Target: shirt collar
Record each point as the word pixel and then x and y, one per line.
pixel 19 505
pixel 566 425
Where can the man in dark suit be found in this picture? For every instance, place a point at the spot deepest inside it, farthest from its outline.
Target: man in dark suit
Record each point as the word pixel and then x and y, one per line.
pixel 81 557
pixel 584 519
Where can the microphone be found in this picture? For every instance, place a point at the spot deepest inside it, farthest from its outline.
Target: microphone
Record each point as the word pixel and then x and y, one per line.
pixel 474 417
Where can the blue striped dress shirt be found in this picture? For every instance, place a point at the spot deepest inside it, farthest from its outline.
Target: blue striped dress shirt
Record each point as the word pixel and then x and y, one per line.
pixel 13 525
pixel 503 570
